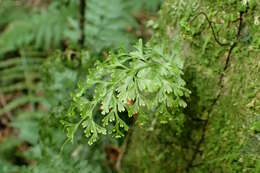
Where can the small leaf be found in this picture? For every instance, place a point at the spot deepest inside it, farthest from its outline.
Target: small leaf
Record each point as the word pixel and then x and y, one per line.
pixel 106 103
pixel 120 106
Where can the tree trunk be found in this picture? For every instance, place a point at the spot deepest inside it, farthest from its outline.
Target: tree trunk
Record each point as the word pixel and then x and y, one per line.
pixel 219 41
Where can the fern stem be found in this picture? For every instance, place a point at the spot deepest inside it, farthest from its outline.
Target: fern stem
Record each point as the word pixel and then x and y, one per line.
pixel 82 8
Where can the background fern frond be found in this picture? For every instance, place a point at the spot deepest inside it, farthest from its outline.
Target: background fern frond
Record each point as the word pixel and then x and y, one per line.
pixel 44 29
pixel 106 24
pixel 11 10
pixel 19 78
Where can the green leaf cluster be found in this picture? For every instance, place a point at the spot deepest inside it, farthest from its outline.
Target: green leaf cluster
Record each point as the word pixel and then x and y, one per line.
pixel 146 82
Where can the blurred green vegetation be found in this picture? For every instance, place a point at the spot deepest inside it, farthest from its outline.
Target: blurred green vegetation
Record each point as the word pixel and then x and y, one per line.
pixel 41 61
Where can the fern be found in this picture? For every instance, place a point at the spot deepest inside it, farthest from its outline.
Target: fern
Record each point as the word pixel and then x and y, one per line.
pixel 106 24
pixel 57 77
pixel 18 75
pixel 105 27
pixel 146 82
pixel 43 29
pixel 31 95
pixel 11 10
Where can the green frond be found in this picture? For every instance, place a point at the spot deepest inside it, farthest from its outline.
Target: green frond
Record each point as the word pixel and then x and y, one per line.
pixel 106 24
pixel 21 101
pixel 11 10
pixel 14 87
pixel 17 61
pixel 18 75
pixel 148 77
pixel 41 29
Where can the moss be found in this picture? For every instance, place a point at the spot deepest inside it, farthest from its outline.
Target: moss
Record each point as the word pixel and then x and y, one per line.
pixel 224 105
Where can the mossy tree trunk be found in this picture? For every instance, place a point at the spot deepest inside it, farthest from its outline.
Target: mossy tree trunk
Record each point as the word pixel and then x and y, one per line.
pixel 220 42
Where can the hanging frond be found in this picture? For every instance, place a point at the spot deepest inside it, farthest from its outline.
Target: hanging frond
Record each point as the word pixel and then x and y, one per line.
pixel 146 81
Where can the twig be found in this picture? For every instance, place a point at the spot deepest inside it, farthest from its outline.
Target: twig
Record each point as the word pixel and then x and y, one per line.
pixel 212 29
pixel 237 38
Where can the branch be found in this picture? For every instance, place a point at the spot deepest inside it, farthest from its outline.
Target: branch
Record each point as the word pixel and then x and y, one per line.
pixel 212 29
pixel 237 38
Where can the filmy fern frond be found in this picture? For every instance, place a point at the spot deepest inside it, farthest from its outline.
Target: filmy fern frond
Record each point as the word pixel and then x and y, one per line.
pixel 146 81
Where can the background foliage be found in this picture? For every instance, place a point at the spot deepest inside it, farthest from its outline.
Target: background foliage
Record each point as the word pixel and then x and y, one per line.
pixel 35 79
